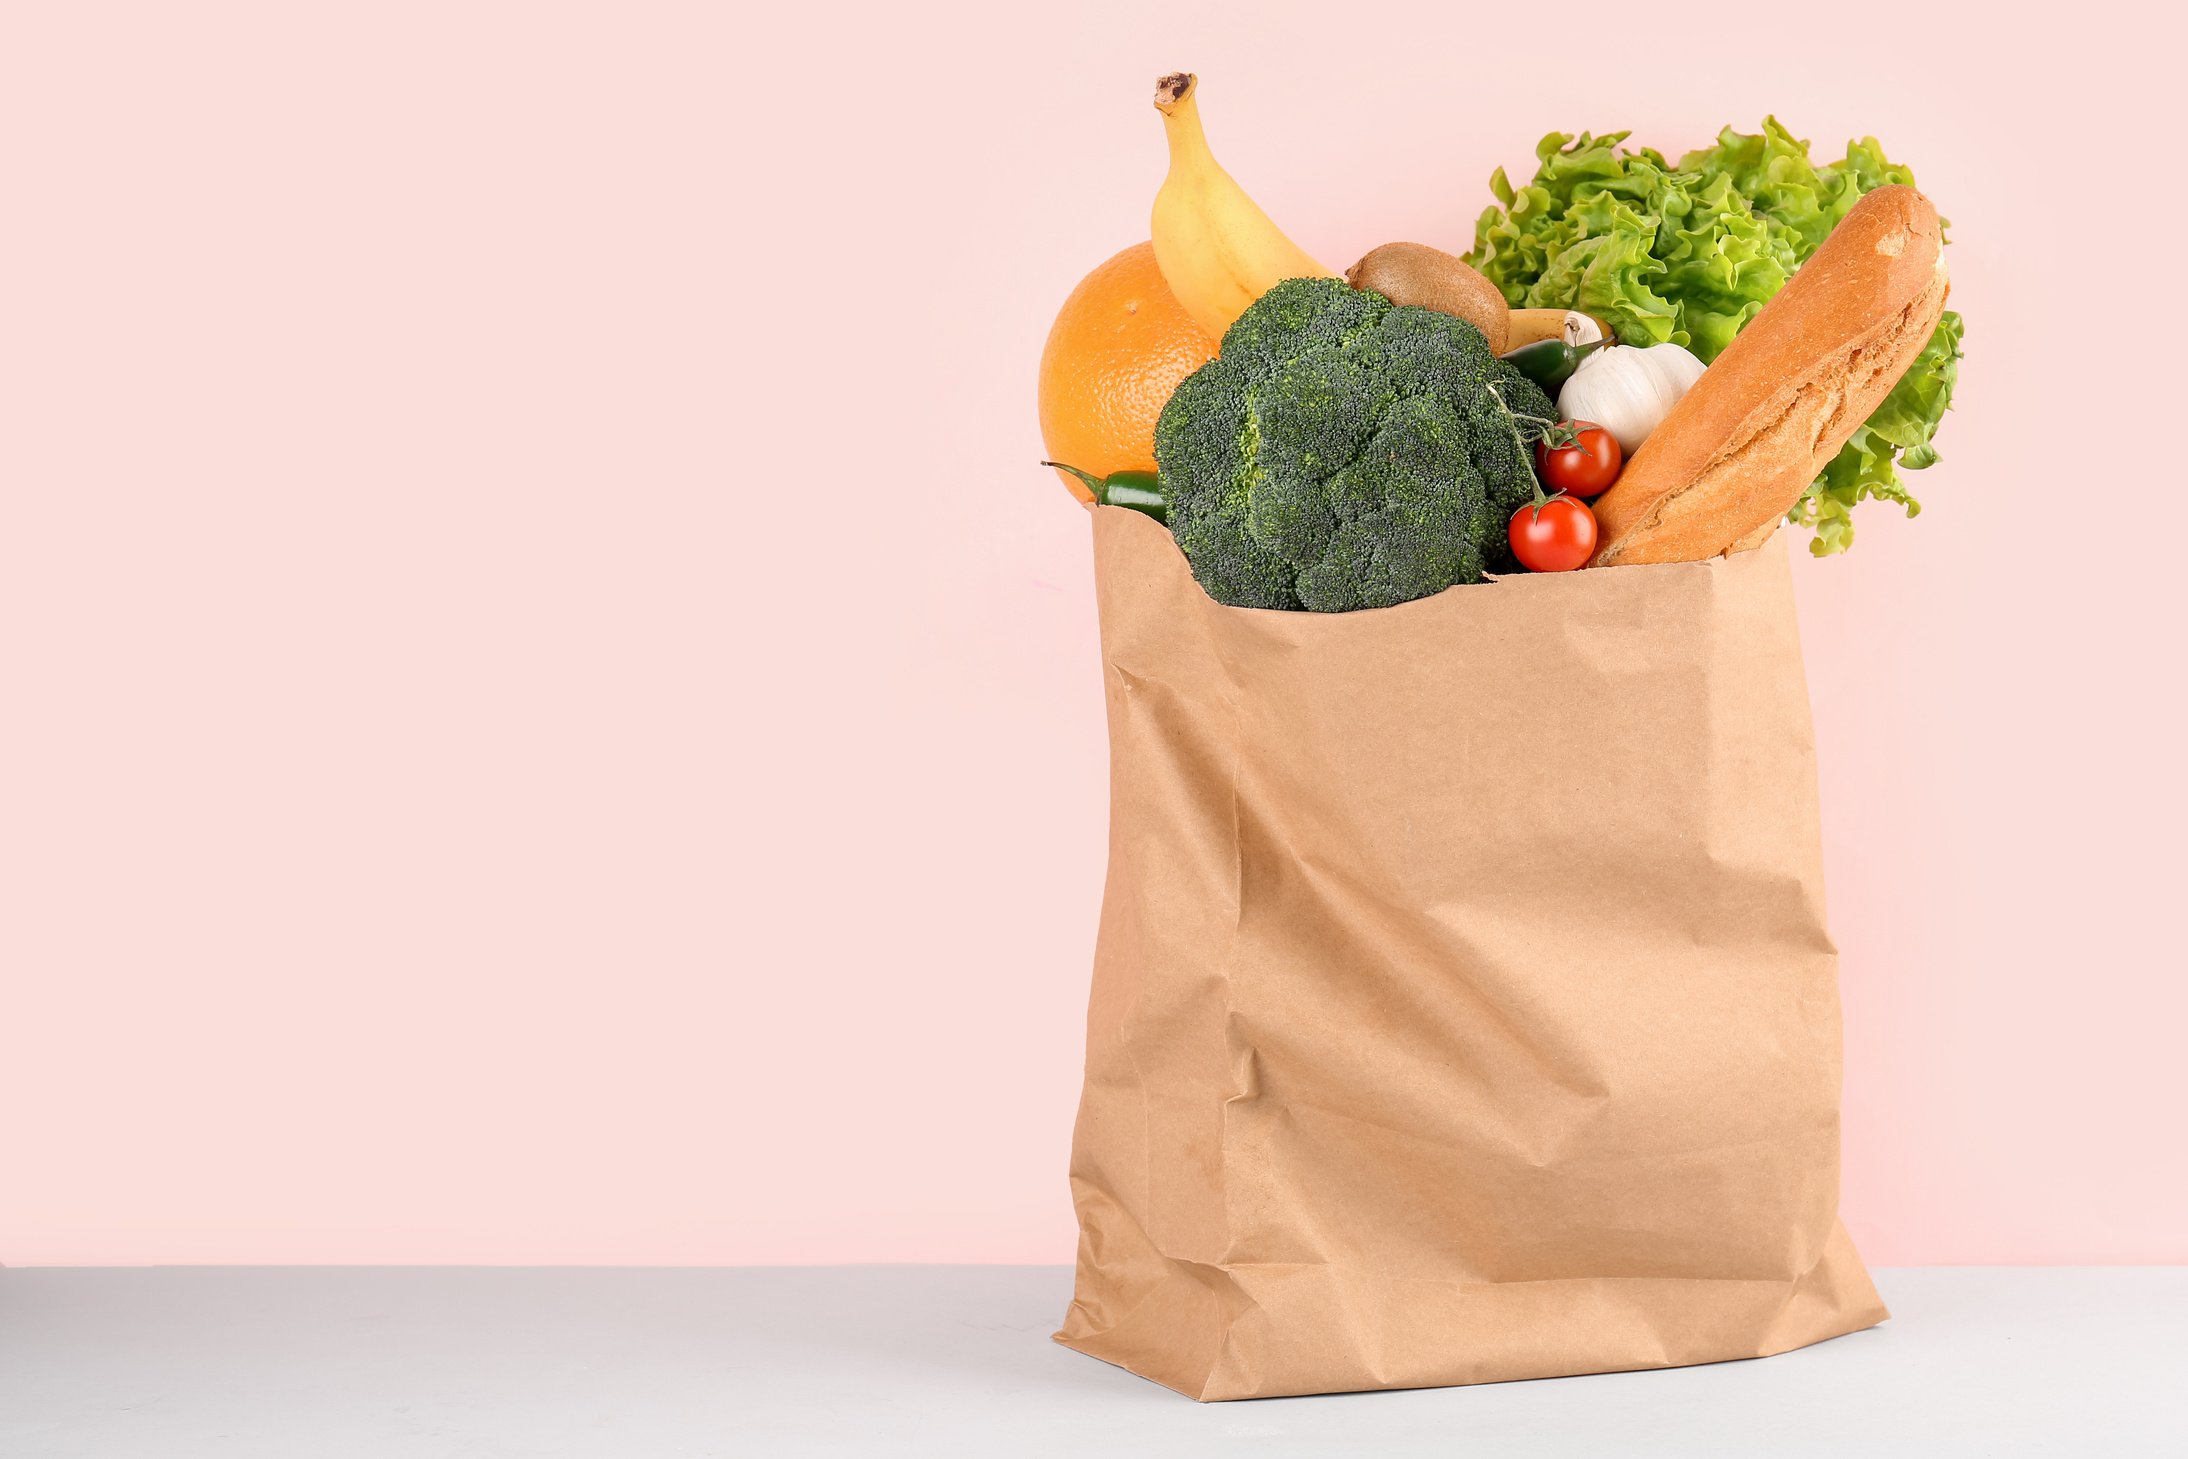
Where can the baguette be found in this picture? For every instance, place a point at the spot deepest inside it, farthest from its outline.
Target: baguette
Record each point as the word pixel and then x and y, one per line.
pixel 1765 418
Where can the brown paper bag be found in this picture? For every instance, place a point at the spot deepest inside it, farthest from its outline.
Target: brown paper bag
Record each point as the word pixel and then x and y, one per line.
pixel 1462 1008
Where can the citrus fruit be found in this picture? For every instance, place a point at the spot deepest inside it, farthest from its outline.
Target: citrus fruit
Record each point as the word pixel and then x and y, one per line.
pixel 1118 348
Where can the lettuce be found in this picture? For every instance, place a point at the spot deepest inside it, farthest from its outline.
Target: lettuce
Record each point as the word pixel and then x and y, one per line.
pixel 1901 428
pixel 1691 252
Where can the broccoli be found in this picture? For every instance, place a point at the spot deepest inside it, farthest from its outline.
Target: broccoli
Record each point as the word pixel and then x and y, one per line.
pixel 1343 452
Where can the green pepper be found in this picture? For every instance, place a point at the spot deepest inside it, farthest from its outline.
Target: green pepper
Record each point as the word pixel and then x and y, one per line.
pixel 1551 362
pixel 1140 490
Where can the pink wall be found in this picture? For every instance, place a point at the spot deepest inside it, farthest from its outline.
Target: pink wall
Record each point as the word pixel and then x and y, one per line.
pixel 550 716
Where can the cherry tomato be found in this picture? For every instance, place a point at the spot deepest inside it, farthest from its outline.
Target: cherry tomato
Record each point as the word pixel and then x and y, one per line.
pixel 1553 536
pixel 1579 457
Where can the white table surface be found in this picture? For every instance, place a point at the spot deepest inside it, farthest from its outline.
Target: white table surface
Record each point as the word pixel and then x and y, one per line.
pixel 635 1363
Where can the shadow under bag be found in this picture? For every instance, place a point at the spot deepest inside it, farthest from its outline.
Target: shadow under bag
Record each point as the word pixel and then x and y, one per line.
pixel 1463 1008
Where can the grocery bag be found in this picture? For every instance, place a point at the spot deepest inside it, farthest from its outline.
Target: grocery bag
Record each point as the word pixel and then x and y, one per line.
pixel 1462 1006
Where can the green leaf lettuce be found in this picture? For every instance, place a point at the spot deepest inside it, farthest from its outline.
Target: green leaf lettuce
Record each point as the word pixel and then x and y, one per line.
pixel 1691 252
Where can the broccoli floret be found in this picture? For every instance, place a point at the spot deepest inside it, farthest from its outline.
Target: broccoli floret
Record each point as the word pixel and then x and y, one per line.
pixel 1410 500
pixel 1342 452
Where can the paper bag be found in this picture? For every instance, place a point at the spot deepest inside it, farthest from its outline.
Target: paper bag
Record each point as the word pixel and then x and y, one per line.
pixel 1462 1008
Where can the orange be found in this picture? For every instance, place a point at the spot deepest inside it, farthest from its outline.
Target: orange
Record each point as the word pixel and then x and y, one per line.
pixel 1118 348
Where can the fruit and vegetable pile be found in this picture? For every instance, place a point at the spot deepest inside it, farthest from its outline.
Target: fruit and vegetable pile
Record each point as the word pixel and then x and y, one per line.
pixel 1426 420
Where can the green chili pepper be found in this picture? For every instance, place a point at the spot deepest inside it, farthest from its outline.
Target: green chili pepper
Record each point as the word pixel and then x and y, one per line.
pixel 1551 362
pixel 1139 490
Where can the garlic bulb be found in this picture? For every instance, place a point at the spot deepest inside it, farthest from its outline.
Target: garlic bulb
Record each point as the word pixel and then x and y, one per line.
pixel 1629 391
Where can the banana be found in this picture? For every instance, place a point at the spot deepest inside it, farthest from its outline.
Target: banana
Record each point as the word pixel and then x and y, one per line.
pixel 1217 250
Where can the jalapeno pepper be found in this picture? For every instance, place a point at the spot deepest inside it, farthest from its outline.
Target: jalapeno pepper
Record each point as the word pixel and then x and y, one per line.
pixel 1551 362
pixel 1139 490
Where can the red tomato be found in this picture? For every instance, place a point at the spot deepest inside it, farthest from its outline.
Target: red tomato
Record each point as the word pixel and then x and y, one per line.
pixel 1555 536
pixel 1579 457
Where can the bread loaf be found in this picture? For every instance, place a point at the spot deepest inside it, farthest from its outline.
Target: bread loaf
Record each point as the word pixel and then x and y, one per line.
pixel 1771 411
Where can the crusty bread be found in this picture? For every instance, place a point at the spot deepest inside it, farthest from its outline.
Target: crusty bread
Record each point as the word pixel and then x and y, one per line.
pixel 1767 415
pixel 1748 543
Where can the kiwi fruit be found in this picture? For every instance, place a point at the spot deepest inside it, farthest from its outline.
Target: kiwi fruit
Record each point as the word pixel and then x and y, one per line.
pixel 1414 273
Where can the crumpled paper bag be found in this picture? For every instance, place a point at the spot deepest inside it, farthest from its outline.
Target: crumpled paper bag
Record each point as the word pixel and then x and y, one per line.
pixel 1462 1008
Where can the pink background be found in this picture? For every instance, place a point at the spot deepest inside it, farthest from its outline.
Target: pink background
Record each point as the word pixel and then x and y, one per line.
pixel 550 716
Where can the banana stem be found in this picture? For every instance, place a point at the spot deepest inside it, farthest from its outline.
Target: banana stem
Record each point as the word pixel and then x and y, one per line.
pixel 1177 98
